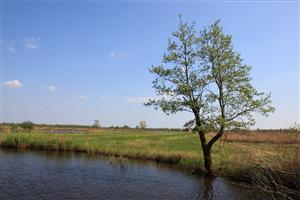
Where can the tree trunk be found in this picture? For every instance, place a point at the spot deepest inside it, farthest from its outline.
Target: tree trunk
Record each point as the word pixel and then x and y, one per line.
pixel 206 153
pixel 207 160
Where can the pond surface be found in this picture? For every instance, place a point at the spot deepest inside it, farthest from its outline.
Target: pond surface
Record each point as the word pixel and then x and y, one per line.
pixel 52 175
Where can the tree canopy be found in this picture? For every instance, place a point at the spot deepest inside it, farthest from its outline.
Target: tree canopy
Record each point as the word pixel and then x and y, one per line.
pixel 202 74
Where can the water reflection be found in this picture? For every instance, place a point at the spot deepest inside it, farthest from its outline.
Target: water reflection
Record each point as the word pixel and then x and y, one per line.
pixel 65 175
pixel 208 189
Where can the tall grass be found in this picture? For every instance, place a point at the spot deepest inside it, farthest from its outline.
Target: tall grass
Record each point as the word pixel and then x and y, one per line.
pixel 179 149
pixel 271 136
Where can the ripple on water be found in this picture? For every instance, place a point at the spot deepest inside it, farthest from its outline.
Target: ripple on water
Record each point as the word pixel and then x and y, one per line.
pixel 51 175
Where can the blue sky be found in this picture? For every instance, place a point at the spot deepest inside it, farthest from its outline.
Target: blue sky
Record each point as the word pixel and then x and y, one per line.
pixel 71 63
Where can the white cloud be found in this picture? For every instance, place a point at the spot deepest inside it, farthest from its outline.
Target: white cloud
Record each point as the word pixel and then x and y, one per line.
pixel 51 88
pixel 81 97
pixel 138 99
pixel 13 84
pixel 32 43
pixel 118 53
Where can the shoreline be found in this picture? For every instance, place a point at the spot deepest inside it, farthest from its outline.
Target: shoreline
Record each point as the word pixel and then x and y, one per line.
pixel 245 162
pixel 191 163
pixel 198 172
pixel 166 161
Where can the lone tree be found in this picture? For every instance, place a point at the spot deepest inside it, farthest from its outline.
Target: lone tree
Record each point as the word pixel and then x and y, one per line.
pixel 143 125
pixel 202 74
pixel 96 123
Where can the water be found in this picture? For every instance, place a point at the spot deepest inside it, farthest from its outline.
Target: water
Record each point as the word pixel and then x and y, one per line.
pixel 52 175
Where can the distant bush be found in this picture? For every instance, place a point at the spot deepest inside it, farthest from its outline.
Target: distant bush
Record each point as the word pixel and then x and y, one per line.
pixel 27 125
pixel 125 127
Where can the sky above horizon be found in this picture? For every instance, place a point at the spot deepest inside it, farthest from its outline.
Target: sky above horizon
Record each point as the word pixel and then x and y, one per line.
pixel 69 62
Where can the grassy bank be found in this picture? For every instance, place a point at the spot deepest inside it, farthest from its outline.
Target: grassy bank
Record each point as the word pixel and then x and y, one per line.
pixel 182 149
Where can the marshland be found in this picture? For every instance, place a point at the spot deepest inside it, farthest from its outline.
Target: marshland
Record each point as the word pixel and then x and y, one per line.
pixel 149 100
pixel 244 156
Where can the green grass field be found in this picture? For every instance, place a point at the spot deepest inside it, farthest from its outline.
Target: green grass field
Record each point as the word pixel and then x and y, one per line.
pixel 179 148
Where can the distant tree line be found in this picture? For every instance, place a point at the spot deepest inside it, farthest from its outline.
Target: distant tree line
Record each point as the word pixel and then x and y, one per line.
pixel 29 126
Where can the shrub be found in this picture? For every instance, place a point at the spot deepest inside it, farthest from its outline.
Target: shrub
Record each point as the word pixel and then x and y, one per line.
pixel 125 127
pixel 27 125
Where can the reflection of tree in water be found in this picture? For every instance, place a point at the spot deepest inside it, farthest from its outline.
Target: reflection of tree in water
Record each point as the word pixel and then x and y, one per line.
pixel 208 192
pixel 216 188
pixel 120 163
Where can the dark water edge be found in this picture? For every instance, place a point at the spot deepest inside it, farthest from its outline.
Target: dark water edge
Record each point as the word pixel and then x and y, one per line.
pixel 27 174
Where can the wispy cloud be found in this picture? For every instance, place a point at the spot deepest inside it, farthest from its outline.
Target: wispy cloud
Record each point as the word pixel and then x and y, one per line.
pixel 13 84
pixel 32 43
pixel 138 99
pixel 118 53
pixel 79 96
pixel 51 88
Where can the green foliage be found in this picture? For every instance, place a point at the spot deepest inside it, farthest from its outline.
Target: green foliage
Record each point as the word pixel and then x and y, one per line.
pixel 27 126
pixel 231 96
pixel 202 74
pixel 179 83
pixel 189 124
